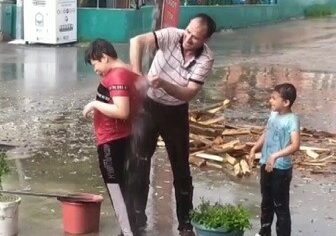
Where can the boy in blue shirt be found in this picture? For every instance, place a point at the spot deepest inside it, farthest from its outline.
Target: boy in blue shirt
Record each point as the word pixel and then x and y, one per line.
pixel 279 141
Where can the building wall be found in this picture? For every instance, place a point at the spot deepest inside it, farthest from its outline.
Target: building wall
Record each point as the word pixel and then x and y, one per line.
pixel 118 25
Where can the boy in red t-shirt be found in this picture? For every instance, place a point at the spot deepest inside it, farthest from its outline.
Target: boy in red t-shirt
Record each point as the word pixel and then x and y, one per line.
pixel 113 111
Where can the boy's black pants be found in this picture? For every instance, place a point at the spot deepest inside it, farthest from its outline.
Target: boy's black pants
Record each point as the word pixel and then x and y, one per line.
pixel 275 199
pixel 113 163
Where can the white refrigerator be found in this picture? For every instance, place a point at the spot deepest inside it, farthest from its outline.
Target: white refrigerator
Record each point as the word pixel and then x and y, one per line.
pixel 50 21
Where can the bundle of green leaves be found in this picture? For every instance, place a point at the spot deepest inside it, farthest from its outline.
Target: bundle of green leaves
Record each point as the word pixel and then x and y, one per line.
pixel 221 216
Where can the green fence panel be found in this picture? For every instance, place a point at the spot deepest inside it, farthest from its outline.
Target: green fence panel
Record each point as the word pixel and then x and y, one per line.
pixel 6 14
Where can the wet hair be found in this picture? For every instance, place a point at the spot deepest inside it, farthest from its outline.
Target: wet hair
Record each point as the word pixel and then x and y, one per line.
pixel 287 91
pixel 96 50
pixel 210 23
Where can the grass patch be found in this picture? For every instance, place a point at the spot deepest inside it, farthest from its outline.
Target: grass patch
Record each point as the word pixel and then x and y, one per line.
pixel 319 10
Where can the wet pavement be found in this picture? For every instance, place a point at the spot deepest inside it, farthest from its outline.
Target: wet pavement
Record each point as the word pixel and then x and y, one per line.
pixel 44 88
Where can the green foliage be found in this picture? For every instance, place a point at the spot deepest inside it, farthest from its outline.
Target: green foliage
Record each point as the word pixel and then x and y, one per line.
pixel 4 168
pixel 219 216
pixel 319 10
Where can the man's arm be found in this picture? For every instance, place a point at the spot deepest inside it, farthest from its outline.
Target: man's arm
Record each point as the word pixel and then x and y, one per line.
pixel 120 108
pixel 181 93
pixel 137 45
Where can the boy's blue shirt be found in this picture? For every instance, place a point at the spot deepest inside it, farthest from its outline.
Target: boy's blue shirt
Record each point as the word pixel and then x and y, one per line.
pixel 278 136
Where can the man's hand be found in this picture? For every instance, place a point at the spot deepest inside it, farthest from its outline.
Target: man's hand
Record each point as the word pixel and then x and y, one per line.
pixel 154 81
pixel 88 109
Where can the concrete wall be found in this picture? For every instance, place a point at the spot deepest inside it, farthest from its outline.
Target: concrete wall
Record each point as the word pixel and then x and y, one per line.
pixel 118 25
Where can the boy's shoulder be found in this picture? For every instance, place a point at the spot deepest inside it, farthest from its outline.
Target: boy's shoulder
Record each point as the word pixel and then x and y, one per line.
pixel 289 115
pixel 120 74
pixel 293 116
pixel 118 71
pixel 287 120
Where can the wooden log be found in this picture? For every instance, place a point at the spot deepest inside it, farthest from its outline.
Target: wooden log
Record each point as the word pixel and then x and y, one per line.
pixel 239 146
pixel 305 148
pixel 331 162
pixel 321 160
pixel 245 167
pixel 194 153
pixel 206 108
pixel 199 162
pixel 210 156
pixel 250 144
pixel 236 132
pixel 218 140
pixel 229 126
pixel 195 129
pixel 215 150
pixel 255 127
pixel 212 120
pixel 200 138
pixel 257 132
pixel 312 154
pixel 237 170
pixel 229 146
pixel 330 140
pixel 214 165
pixel 216 109
pixel 229 159
pixel 196 144
pixel 192 119
pixel 306 134
pixel 305 163
pixel 198 149
pixel 217 128
pixel 237 153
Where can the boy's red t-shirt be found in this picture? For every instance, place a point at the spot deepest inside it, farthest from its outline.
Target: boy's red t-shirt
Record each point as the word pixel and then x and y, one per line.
pixel 117 82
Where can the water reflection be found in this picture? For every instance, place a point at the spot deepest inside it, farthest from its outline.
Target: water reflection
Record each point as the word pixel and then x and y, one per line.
pixel 11 70
pixel 248 87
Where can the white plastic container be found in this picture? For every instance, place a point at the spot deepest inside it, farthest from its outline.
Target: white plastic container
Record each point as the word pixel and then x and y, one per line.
pixel 50 21
pixel 9 215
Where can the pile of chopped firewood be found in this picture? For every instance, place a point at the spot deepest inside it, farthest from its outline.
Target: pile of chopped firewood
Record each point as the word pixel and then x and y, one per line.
pixel 216 144
pixel 317 152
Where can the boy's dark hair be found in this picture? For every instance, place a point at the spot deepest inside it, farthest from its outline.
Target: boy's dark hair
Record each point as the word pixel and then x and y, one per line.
pixel 96 50
pixel 287 91
pixel 210 23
